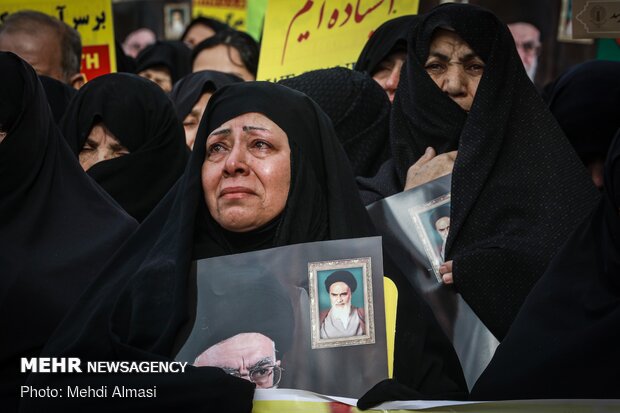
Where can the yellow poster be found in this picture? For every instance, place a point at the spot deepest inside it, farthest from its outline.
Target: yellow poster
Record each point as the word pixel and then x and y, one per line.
pixel 92 19
pixel 232 12
pixel 303 35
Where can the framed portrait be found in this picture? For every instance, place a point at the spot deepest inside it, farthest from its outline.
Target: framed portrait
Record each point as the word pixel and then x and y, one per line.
pixel 432 224
pixel 341 304
pixel 176 18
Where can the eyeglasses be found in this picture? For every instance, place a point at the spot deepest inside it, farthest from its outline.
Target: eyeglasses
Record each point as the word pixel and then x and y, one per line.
pixel 530 47
pixel 259 375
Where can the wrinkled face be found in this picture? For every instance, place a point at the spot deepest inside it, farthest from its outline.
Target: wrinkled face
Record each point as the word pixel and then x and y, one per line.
pixel 101 145
pixel 222 58
pixel 243 355
pixel 527 40
pixel 454 67
pixel 41 49
pixel 339 294
pixel 159 75
pixel 197 34
pixel 191 121
pixel 388 72
pixel 2 136
pixel 442 225
pixel 246 174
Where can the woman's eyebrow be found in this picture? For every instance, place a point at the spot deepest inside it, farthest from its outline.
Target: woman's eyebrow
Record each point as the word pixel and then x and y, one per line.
pixel 220 132
pixel 439 56
pixel 253 128
pixel 118 147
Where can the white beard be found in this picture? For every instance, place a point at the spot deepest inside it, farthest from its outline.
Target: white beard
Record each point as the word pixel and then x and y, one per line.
pixel 342 313
pixel 531 72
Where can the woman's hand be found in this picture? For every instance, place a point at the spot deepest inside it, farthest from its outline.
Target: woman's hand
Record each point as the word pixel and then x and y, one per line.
pixel 430 166
pixel 445 270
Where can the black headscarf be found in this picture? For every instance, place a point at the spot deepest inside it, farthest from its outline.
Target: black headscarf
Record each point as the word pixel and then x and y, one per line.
pixel 140 304
pixel 142 118
pixel 518 188
pixel 585 102
pixel 188 90
pixel 391 36
pixel 214 24
pixel 58 95
pixel 173 55
pixel 359 109
pixel 564 342
pixel 57 227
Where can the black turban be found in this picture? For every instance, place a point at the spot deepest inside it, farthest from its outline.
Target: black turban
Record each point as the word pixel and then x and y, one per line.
pixel 341 276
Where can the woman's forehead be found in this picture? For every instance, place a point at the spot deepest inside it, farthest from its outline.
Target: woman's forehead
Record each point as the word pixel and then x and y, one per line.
pixel 249 119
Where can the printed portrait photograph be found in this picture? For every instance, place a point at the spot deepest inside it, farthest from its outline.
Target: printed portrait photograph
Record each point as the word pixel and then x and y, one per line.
pixel 432 224
pixel 176 17
pixel 253 317
pixel 341 302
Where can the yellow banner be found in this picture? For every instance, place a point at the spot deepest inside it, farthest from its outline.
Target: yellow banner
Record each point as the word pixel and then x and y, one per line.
pixel 299 401
pixel 232 12
pixel 92 19
pixel 303 35
pixel 390 294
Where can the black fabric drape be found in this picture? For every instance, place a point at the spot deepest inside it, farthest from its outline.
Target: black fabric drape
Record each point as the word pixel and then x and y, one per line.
pixel 142 118
pixel 563 343
pixel 173 55
pixel 139 305
pixel 518 188
pixel 57 227
pixel 358 109
pixel 58 96
pixel 585 101
pixel 391 35
pixel 188 90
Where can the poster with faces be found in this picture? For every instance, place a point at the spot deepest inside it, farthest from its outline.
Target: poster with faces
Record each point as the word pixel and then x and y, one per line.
pixel 415 226
pixel 306 316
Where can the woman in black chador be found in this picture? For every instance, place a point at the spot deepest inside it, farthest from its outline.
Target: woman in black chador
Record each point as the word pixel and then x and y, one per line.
pixel 585 101
pixel 465 106
pixel 191 94
pixel 564 342
pixel 127 137
pixel 57 227
pixel 266 171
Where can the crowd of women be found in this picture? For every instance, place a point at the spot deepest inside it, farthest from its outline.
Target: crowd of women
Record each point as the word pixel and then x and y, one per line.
pixel 105 208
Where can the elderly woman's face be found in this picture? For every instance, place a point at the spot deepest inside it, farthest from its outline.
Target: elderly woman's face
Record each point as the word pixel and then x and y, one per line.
pixel 100 145
pixel 454 67
pixel 246 174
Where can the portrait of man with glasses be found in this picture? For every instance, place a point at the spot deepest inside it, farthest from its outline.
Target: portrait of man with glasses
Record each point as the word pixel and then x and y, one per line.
pixel 244 325
pixel 250 356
